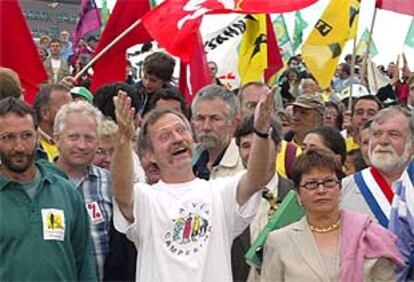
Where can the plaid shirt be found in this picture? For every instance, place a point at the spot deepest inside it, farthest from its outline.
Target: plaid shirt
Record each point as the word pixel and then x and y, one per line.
pixel 96 189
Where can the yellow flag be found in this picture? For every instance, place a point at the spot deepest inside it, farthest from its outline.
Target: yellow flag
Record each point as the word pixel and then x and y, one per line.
pixel 253 50
pixel 354 18
pixel 322 49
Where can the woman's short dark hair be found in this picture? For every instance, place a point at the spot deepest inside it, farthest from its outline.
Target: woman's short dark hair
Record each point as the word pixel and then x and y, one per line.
pixel 358 160
pixel 315 159
pixel 339 120
pixel 160 65
pixel 332 139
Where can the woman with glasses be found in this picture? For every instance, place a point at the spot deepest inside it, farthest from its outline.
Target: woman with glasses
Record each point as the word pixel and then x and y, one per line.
pixel 327 244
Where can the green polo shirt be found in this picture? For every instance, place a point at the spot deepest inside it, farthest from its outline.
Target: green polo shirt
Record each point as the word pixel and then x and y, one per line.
pixel 46 238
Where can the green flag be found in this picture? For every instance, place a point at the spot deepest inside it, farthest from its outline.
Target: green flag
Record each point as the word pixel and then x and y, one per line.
pixel 409 39
pixel 153 3
pixel 104 13
pixel 362 45
pixel 300 25
pixel 283 38
pixel 287 213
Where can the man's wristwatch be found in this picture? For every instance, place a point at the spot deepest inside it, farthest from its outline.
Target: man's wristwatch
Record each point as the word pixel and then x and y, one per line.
pixel 261 134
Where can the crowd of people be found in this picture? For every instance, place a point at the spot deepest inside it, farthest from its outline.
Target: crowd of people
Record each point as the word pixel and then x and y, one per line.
pixel 130 183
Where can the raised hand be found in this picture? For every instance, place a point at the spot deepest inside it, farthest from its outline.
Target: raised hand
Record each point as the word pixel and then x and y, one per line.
pixel 264 111
pixel 68 81
pixel 125 115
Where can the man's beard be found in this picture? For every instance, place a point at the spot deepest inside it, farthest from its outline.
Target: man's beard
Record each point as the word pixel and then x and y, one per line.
pixel 208 141
pixel 388 161
pixel 7 161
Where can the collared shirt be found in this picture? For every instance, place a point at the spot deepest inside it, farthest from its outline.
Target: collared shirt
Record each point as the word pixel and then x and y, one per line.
pixel 228 163
pixel 262 215
pixel 340 84
pixel 66 51
pixel 96 188
pixel 44 238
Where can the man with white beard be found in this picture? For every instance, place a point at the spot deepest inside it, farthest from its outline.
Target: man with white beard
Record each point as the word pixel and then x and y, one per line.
pixel 391 149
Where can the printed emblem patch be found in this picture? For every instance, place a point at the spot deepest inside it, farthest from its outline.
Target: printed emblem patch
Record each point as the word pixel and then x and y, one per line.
pixel 191 230
pixel 95 213
pixel 53 224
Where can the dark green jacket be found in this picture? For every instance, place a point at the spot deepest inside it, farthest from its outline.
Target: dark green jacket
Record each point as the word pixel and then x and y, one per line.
pixel 46 238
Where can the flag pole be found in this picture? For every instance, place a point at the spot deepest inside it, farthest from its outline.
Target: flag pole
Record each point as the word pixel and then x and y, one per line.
pixel 290 41
pixel 370 35
pixel 107 47
pixel 352 73
pixel 374 76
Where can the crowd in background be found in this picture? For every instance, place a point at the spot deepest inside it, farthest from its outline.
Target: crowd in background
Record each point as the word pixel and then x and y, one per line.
pixel 320 143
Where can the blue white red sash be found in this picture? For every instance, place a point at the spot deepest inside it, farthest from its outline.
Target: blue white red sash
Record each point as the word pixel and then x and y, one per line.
pixel 377 193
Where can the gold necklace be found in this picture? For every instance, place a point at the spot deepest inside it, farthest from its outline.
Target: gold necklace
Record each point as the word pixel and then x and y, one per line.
pixel 327 229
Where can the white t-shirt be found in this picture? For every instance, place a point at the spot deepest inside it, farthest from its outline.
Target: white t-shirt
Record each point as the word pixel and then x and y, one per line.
pixel 184 232
pixel 55 69
pixel 139 173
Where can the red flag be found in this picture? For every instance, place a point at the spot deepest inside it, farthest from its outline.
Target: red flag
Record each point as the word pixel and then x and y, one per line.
pixel 195 75
pixel 175 23
pixel 89 20
pixel 398 6
pixel 274 59
pixel 111 67
pixel 18 50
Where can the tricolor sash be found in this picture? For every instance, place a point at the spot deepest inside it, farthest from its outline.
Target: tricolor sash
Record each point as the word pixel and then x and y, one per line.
pixel 376 192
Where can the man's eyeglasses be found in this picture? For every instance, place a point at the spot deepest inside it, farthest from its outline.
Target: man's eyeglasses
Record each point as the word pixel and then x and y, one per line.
pixel 313 185
pixel 103 152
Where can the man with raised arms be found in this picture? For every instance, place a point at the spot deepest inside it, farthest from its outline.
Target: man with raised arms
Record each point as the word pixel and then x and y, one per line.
pixel 183 226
